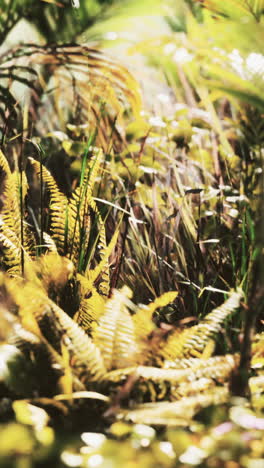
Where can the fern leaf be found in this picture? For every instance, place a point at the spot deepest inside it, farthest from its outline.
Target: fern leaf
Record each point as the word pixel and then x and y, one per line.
pixel 207 364
pixel 49 243
pixel 148 341
pixel 115 335
pixel 188 389
pixel 178 413
pixel 86 358
pixel 119 376
pixel 103 267
pixel 92 170
pixel 147 382
pixel 78 223
pixel 143 317
pixel 54 271
pixel 30 327
pixel 10 211
pixel 29 242
pixel 41 316
pixel 29 301
pixel 23 339
pixel 105 281
pixel 92 305
pixel 58 203
pixel 10 250
pixel 79 209
pixel 193 341
pixel 218 368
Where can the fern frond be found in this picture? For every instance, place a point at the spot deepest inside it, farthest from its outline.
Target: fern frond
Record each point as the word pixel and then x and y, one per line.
pixel 30 301
pixel 54 271
pixel 105 280
pixel 205 365
pixel 79 224
pixel 154 384
pixel 115 334
pixel 41 316
pixel 193 341
pixel 178 413
pixel 29 241
pixel 35 318
pixel 92 305
pixel 188 389
pixel 217 367
pixel 103 266
pixel 49 243
pixel 54 370
pixel 86 358
pixel 79 209
pixel 23 339
pixel 148 341
pixel 92 170
pixel 10 250
pixel 144 324
pixel 10 211
pixel 58 204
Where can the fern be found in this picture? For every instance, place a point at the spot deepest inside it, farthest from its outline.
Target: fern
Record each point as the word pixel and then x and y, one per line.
pixel 192 342
pixel 175 413
pixel 92 305
pixel 10 250
pixel 49 243
pixel 41 316
pixel 86 357
pixel 143 317
pixel 11 210
pixel 153 383
pixel 79 206
pixel 103 266
pixel 53 280
pixel 115 334
pixel 206 365
pixel 145 326
pixel 70 222
pixel 104 285
pixel 111 344
pixel 58 203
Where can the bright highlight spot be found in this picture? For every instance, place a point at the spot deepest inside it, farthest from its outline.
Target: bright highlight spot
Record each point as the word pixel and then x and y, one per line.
pixel 71 459
pixel 95 460
pixel 182 56
pixel 93 439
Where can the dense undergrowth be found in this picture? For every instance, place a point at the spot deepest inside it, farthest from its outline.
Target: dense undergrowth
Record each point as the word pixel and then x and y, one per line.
pixel 131 242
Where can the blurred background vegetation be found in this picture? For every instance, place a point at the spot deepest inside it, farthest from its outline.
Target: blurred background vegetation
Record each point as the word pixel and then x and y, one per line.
pixel 174 99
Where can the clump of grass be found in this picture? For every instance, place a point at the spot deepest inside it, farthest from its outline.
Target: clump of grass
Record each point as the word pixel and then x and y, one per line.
pixel 165 209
